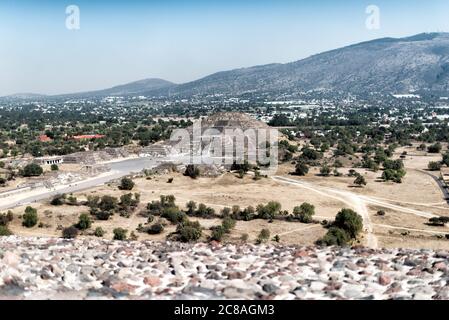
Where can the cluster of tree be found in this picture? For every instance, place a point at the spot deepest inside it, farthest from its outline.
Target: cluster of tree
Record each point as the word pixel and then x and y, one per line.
pixel 105 207
pixel 200 210
pixel 218 232
pixel 32 170
pixel 346 227
pixel 393 171
pixel 63 199
pixel 188 231
pixel 5 219
pixel 24 123
pixel 304 212
pixel 438 221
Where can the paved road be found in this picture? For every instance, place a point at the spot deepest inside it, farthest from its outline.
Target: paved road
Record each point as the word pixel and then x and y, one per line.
pixel 118 170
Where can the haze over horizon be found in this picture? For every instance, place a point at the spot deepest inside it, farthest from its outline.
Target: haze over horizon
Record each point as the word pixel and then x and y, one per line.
pixel 179 42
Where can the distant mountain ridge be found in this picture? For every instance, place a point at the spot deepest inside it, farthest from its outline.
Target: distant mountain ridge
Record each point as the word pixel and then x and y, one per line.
pixel 420 62
pixel 387 65
pixel 132 88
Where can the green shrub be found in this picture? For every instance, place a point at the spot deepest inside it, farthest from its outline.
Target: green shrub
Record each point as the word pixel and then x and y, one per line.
pixel 32 170
pixel 54 167
pixel 156 228
pixel 304 212
pixel 263 236
pixel 189 231
pixel 99 232
pixel 218 233
pixel 269 211
pixel 228 223
pixel 349 221
pixel 84 222
pixel 70 232
pixel 325 171
pixel 58 200
pixel 360 181
pixel 434 166
pixel 301 168
pixel 335 237
pixel 6 218
pixel 4 231
pixel 103 215
pixel 173 214
pixel 120 234
pixel 30 217
pixel 434 148
pixel 126 184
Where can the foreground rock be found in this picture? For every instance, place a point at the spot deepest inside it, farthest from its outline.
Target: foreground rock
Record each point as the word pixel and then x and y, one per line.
pixel 39 268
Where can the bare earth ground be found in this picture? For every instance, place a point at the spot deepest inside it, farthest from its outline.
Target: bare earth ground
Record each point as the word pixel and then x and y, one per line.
pixel 408 206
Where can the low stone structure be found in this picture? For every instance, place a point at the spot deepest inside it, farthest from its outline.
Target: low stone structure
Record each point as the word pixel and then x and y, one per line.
pixel 39 268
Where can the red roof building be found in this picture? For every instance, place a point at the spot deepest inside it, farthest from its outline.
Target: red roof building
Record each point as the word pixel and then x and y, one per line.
pixel 44 138
pixel 89 136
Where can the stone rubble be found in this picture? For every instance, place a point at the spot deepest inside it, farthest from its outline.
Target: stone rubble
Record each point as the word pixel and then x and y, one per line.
pixel 43 268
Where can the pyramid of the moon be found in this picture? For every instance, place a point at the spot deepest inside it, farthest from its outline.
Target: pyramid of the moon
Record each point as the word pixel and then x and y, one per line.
pixel 231 120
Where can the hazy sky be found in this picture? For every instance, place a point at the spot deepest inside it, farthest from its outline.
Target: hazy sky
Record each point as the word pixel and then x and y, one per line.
pixel 180 41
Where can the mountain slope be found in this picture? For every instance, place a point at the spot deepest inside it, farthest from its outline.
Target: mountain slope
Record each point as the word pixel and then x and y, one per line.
pixel 134 88
pixel 420 62
pixel 387 65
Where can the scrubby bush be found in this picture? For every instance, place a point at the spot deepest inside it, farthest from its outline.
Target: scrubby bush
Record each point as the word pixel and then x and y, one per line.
pixel 84 222
pixel 218 233
pixel 6 218
pixel 335 237
pixel 301 168
pixel 4 231
pixel 103 215
pixel 54 167
pixel 126 184
pixel 325 171
pixel 192 171
pixel 393 175
pixel 204 211
pixel 70 232
pixel 189 231
pixel 107 203
pixel 439 221
pixel 434 166
pixel 71 200
pixel 99 232
pixel 269 211
pixel 30 217
pixel 263 236
pixel 120 234
pixel 434 148
pixel 58 200
pixel 228 224
pixel 381 213
pixel 32 170
pixel 156 228
pixel 191 207
pixel 173 214
pixel 304 212
pixel 360 181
